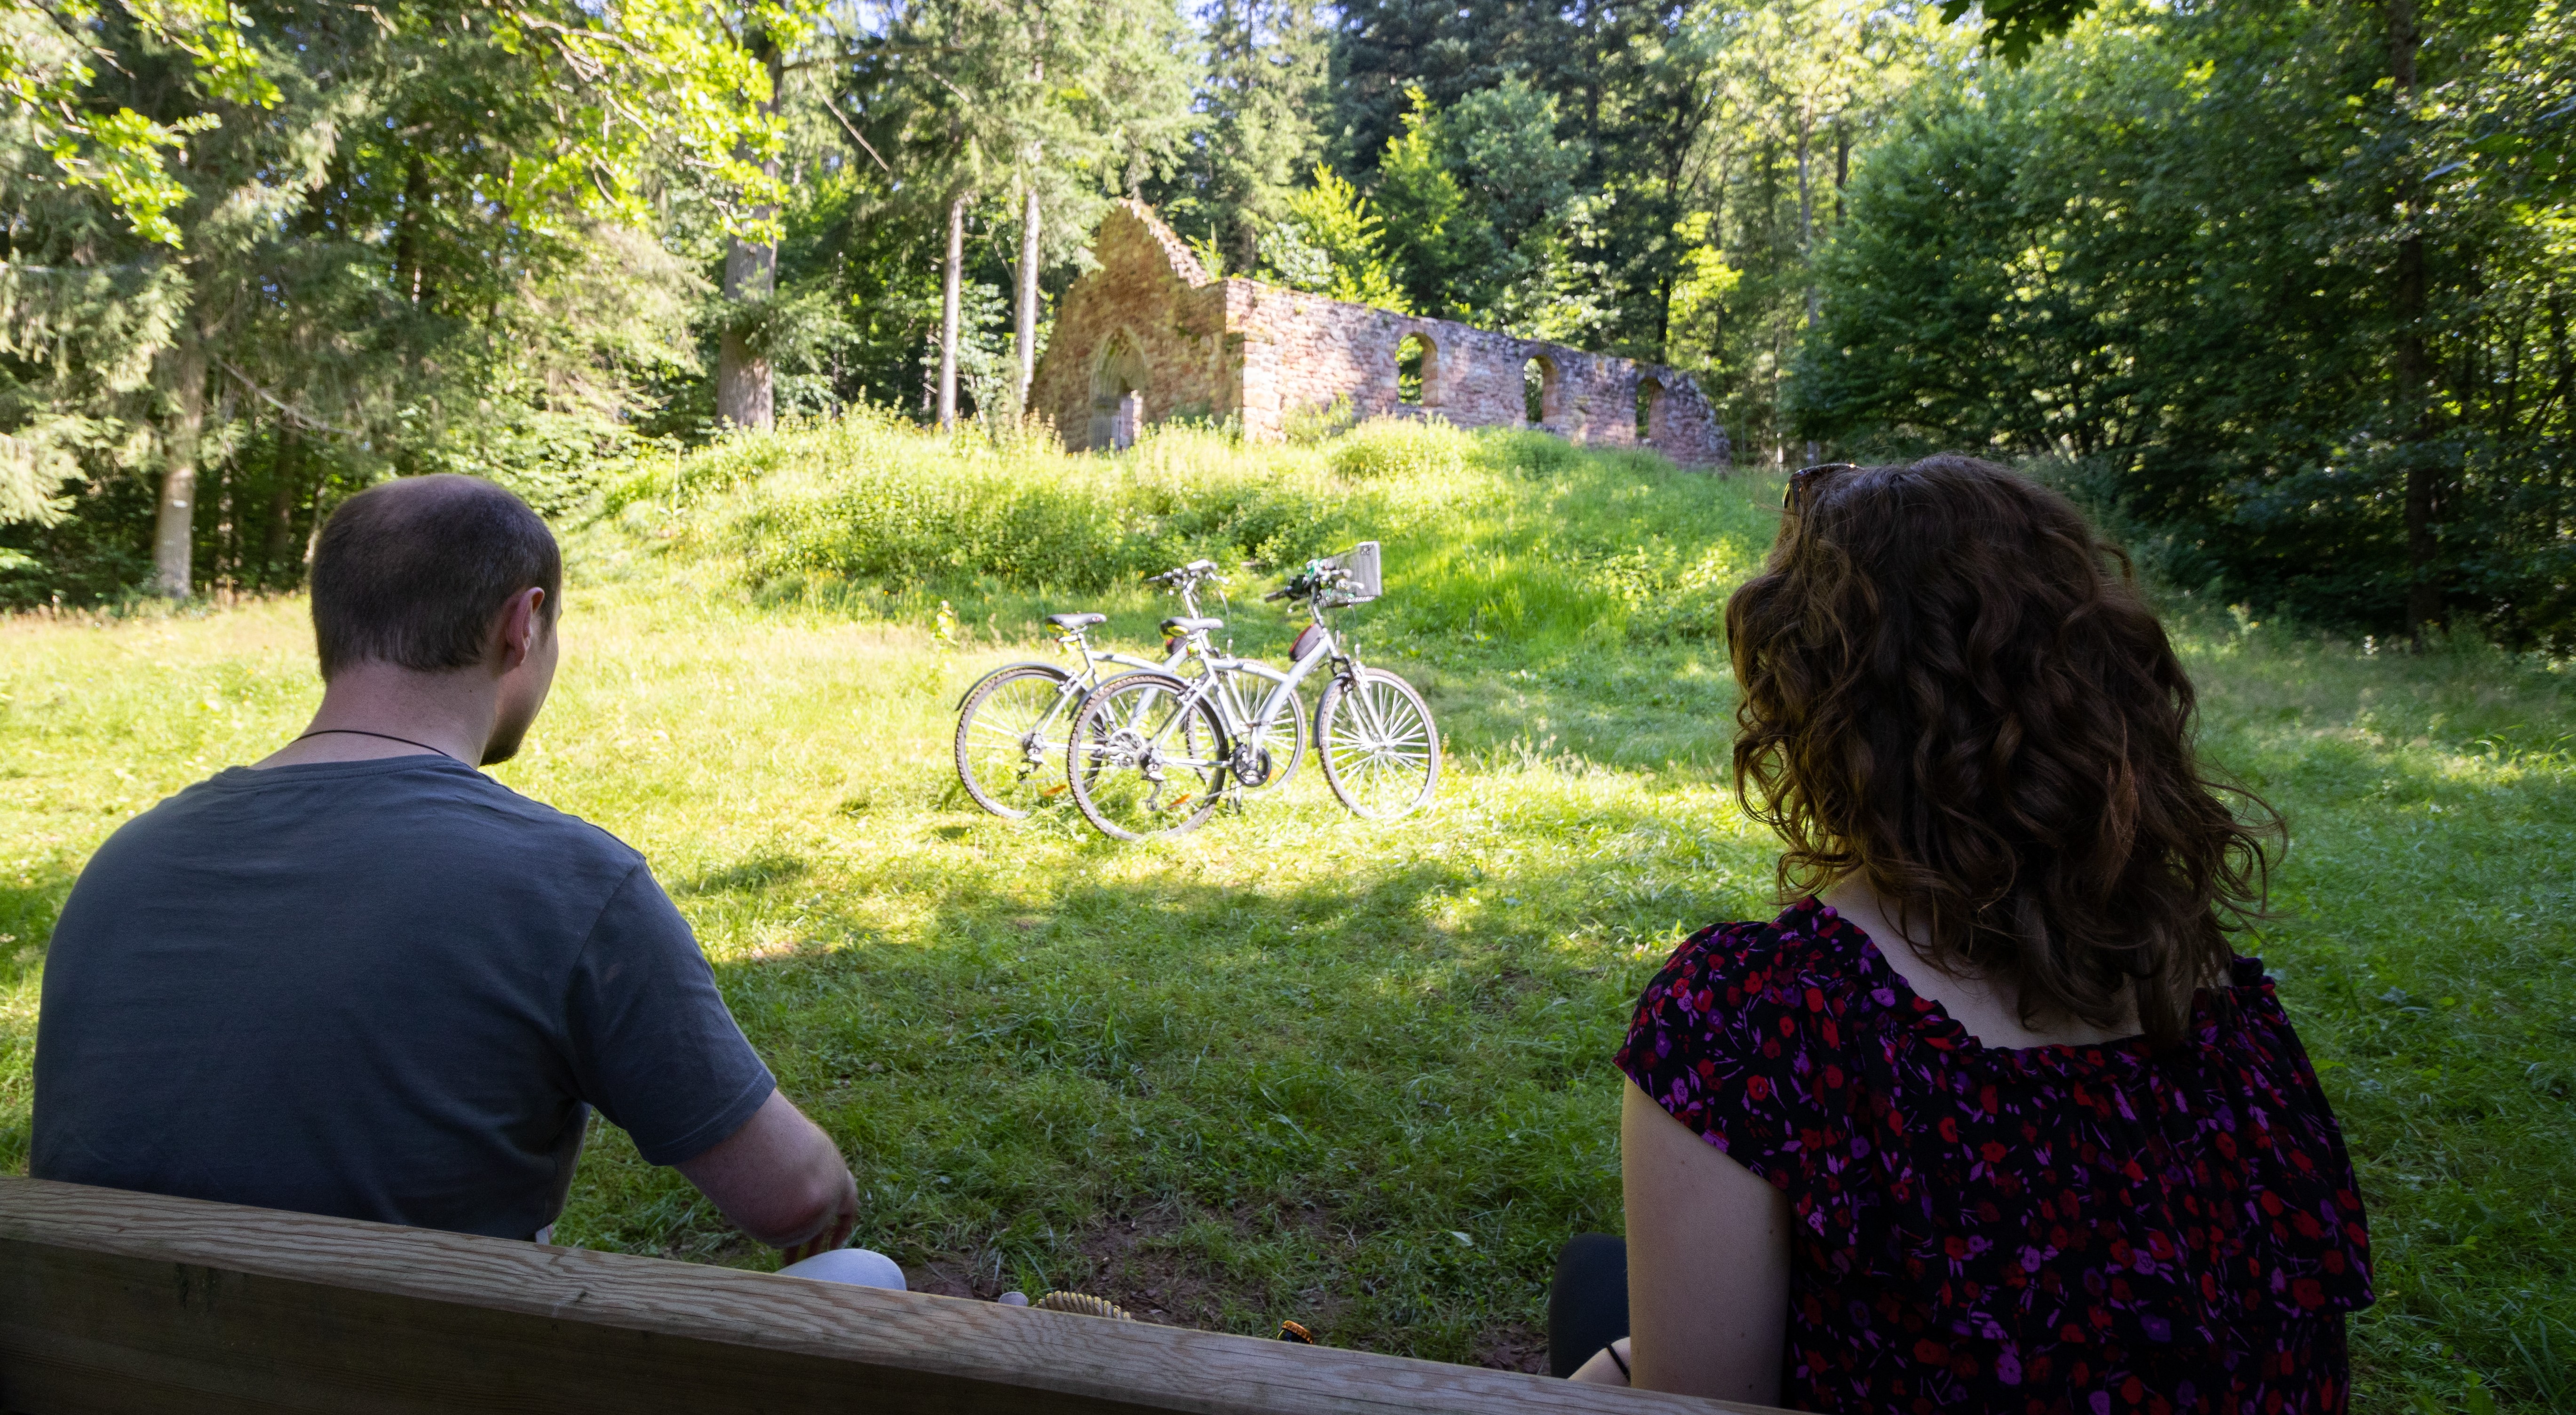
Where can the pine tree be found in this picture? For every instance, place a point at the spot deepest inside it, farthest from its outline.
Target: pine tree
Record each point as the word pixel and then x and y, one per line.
pixel 1259 106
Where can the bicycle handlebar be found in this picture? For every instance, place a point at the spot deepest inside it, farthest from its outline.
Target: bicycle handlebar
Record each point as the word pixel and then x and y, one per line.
pixel 1193 573
pixel 1309 582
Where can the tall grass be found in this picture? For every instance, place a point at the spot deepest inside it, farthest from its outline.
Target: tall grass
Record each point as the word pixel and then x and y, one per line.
pixel 1513 534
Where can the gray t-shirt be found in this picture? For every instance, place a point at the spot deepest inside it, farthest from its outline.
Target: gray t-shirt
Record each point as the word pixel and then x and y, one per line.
pixel 381 990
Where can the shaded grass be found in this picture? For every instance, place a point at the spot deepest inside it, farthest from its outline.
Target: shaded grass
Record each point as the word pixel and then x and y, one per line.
pixel 1294 1066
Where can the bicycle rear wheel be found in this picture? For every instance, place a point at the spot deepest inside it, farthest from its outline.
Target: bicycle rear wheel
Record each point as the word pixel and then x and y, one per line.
pixel 1143 761
pixel 1010 739
pixel 1380 752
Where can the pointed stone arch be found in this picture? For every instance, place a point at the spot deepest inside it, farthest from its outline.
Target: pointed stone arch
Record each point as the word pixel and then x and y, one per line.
pixel 1119 377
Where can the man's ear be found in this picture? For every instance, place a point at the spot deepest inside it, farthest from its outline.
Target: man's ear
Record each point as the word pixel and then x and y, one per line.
pixel 521 620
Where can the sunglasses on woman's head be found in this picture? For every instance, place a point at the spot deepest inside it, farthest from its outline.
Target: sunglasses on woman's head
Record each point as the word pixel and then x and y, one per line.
pixel 1793 496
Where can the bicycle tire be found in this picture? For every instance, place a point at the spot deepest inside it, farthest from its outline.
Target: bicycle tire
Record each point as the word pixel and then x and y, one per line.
pixel 1001 751
pixel 1377 744
pixel 1118 751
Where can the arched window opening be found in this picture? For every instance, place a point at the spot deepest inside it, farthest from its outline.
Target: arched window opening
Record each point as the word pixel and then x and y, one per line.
pixel 1417 363
pixel 1650 398
pixel 1539 395
pixel 1117 396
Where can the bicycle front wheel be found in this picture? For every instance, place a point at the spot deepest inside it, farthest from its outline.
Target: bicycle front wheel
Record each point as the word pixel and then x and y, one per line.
pixel 1380 753
pixel 1144 760
pixel 1010 739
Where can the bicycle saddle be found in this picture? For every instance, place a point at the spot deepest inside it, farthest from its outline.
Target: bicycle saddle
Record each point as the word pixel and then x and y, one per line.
pixel 1183 624
pixel 1071 622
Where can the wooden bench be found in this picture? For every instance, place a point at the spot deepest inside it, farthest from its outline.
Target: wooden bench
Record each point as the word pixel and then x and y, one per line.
pixel 112 1301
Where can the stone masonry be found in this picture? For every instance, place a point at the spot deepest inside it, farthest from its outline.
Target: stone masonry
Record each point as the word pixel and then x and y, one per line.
pixel 1150 335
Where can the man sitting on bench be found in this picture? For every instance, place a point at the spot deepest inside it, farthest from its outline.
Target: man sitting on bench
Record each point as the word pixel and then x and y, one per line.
pixel 363 979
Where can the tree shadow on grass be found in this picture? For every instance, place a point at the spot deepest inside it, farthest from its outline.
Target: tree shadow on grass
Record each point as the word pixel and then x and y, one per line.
pixel 1374 1100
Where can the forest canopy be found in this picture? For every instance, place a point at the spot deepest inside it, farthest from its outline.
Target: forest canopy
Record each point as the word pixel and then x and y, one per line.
pixel 2281 289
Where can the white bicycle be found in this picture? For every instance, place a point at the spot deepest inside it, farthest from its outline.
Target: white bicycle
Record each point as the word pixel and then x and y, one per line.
pixel 1152 754
pixel 1012 723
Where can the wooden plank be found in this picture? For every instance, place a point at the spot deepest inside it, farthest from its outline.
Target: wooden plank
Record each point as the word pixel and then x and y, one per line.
pixel 113 1301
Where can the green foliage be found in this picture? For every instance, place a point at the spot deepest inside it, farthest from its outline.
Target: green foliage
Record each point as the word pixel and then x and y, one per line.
pixel 1399 449
pixel 1332 219
pixel 1477 199
pixel 1433 240
pixel 2167 252
pixel 45 70
pixel 1260 106
pixel 400 240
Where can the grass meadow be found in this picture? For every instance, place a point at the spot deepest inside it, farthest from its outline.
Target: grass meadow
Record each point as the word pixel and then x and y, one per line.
pixel 1299 1066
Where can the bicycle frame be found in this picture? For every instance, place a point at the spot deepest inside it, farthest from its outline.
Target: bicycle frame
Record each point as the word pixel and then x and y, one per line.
pixel 1283 685
pixel 1075 640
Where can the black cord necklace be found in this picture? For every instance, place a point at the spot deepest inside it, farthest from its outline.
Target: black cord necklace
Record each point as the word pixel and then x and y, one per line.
pixel 387 736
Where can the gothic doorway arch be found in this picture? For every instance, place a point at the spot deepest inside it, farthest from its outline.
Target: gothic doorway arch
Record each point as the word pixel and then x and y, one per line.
pixel 1117 394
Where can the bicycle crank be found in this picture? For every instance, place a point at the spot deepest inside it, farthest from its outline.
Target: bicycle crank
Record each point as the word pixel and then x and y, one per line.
pixel 1249 765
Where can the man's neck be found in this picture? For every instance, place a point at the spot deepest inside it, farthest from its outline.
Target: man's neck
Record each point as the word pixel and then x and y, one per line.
pixel 372 710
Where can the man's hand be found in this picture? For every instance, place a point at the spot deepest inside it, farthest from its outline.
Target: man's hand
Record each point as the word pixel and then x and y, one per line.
pixel 836 1230
pixel 781 1180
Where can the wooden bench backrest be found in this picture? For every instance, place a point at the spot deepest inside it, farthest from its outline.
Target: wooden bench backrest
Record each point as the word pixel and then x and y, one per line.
pixel 135 1303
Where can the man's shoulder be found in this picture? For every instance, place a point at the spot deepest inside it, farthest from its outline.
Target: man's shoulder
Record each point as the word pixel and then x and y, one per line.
pixel 564 831
pixel 406 810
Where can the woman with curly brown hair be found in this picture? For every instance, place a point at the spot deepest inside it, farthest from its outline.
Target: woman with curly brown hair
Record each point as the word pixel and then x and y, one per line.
pixel 1992 1118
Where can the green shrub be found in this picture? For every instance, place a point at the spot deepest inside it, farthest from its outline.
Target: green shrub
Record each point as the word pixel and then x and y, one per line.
pixel 1393 448
pixel 1528 451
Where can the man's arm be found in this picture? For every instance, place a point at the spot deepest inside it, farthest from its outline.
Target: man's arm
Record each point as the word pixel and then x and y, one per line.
pixel 781 1180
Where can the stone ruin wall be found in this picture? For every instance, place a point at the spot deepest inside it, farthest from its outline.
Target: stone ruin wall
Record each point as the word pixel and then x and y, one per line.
pixel 1150 315
pixel 1152 320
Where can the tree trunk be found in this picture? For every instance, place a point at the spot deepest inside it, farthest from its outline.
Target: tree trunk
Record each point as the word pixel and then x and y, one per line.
pixel 1027 331
pixel 948 313
pixel 2413 362
pixel 288 474
pixel 409 259
pixel 744 393
pixel 1807 209
pixel 173 530
pixel 1842 167
pixel 745 396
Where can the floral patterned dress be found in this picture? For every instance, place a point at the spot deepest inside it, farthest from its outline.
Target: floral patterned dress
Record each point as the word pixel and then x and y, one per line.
pixel 2079 1229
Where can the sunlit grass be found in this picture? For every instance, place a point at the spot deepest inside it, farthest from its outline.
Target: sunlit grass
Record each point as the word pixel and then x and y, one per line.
pixel 1299 1066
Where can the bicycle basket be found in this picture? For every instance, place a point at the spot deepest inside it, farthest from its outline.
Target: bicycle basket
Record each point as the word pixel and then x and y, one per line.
pixel 1359 567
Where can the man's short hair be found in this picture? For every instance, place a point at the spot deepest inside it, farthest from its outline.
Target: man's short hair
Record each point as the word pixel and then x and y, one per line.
pixel 413 572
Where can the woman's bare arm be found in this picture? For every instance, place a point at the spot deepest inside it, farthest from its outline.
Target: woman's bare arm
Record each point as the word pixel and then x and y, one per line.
pixel 1708 1262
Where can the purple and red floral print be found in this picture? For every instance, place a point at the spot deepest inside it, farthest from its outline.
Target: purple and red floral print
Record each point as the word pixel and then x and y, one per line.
pixel 2078 1229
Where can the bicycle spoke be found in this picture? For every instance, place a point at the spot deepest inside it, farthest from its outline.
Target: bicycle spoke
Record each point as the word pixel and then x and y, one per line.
pixel 1146 757
pixel 1381 753
pixel 1007 750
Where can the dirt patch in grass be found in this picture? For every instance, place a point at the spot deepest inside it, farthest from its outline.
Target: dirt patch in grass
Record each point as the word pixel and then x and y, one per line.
pixel 1164 1265
pixel 1514 1346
